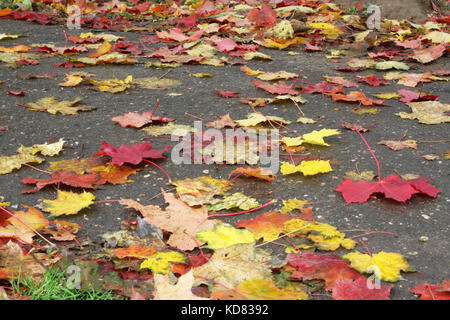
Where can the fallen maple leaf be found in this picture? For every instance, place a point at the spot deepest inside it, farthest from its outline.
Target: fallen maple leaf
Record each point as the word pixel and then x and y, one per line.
pixel 224 121
pixel 133 154
pixel 350 126
pixel 356 96
pixel 385 265
pixel 280 88
pixel 268 225
pixel 341 82
pixel 179 219
pixel 429 54
pixel 399 145
pixel 372 79
pixel 53 106
pixel 329 267
pixel 161 262
pixel 393 187
pixel 259 173
pixel 226 93
pixel 359 290
pixel 428 112
pixel 308 168
pixel 138 120
pixel 225 236
pixel 64 177
pixel 260 289
pixel 236 264
pixel 164 290
pixel 68 203
pixel 104 48
pixel 134 251
pixel 431 291
pixel 264 17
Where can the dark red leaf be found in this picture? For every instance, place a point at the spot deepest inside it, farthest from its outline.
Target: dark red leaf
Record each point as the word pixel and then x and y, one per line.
pixel 64 177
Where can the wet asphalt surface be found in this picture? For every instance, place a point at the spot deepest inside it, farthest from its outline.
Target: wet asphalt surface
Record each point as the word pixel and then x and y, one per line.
pixel 84 133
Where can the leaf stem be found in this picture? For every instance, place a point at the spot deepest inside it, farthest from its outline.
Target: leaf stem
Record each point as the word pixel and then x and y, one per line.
pixel 165 172
pixel 371 151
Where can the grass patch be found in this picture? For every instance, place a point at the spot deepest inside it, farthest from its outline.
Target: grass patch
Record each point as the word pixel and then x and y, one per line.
pixel 53 286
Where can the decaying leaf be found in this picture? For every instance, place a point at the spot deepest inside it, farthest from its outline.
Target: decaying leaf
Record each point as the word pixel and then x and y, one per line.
pixel 53 106
pixel 182 290
pixel 182 221
pixel 260 289
pixel 399 145
pixel 428 112
pixel 236 264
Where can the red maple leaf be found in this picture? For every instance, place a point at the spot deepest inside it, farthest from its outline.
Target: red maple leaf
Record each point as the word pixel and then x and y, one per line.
pixel 279 88
pixel 329 267
pixel 226 45
pixel 133 154
pixel 431 291
pixel 65 177
pixel 322 87
pixel 127 47
pixel 372 80
pixel 79 40
pixel 356 96
pixel 40 18
pixel 226 93
pixel 266 17
pixel 358 290
pixel 393 187
pixel 189 22
pixel 342 82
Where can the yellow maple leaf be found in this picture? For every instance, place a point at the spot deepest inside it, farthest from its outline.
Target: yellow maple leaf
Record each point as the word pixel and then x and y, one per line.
pixel 9 163
pixel 225 236
pixel 281 43
pixel 385 265
pixel 293 204
pixel 68 203
pixel 308 168
pixel 250 72
pixel 46 149
pixel 388 95
pixel 161 262
pixel 333 243
pixel 316 137
pixel 53 106
pixel 256 118
pixel 112 85
pixel 328 29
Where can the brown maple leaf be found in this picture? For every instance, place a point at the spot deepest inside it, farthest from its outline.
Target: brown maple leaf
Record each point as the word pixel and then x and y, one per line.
pixel 224 121
pixel 181 220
